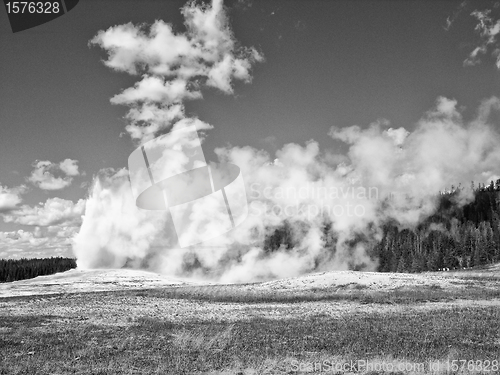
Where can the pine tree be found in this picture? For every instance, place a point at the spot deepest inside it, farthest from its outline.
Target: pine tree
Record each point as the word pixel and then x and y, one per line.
pixel 479 256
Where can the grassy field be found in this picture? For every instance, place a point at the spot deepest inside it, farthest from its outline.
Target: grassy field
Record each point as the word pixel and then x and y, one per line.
pixel 238 330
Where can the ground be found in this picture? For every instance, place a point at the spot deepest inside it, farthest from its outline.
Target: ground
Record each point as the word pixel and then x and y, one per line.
pixel 137 322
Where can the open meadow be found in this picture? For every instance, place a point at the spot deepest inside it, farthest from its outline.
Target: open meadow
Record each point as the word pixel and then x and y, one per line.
pixel 136 322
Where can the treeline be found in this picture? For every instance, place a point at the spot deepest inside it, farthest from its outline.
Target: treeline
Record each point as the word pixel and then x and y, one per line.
pixel 19 269
pixel 456 236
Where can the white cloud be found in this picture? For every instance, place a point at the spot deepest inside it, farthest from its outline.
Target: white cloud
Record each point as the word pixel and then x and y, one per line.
pixel 70 167
pixel 488 28
pixel 55 224
pixel 10 197
pixel 55 211
pixel 174 66
pixel 154 89
pixel 44 172
pixel 40 243
pixel 220 75
pixel 398 135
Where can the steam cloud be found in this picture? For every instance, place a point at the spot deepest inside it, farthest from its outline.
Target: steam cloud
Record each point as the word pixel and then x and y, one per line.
pixel 387 174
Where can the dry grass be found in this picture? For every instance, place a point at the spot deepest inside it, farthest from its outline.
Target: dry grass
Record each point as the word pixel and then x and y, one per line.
pixel 42 344
pixel 237 330
pixel 352 292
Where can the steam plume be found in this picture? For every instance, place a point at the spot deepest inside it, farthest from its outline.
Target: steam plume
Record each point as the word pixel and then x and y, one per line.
pixel 300 188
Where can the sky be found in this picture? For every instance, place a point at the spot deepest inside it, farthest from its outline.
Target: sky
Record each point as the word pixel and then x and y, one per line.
pixel 321 64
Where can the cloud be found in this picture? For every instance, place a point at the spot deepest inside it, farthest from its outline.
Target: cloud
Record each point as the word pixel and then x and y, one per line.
pixel 70 167
pixel 43 174
pixel 398 135
pixel 54 225
pixel 55 211
pixel 488 29
pixel 174 66
pixel 40 243
pixel 155 89
pixel 451 19
pixel 486 108
pixel 10 197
